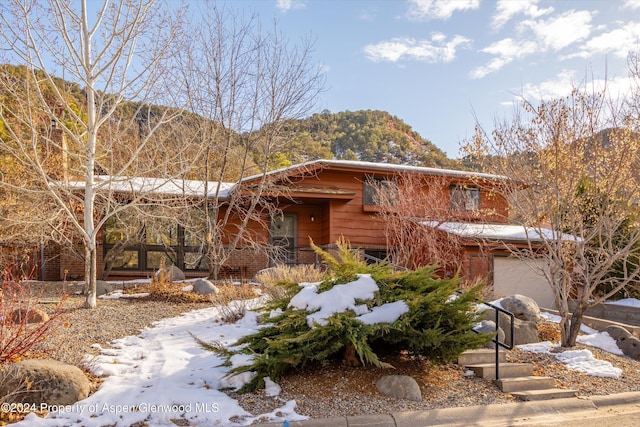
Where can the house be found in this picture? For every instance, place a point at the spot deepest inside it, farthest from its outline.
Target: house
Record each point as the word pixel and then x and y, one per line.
pixel 325 200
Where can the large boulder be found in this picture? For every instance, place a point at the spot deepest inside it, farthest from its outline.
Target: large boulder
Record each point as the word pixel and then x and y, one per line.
pixel 103 287
pixel 204 287
pixel 489 327
pixel 400 387
pixel 171 273
pixel 525 331
pixel 630 347
pixel 38 381
pixel 29 315
pixel 522 307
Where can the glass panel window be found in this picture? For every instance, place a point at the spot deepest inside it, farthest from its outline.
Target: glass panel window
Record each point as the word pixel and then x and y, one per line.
pixel 194 261
pixel 156 259
pixel 116 231
pixel 464 198
pixel 126 260
pixel 159 235
pixel 379 192
pixel 191 238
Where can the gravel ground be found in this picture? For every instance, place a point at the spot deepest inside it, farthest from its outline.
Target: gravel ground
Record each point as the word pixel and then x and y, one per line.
pixel 329 391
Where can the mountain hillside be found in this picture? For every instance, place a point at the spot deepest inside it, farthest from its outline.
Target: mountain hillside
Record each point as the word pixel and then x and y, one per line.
pixel 366 135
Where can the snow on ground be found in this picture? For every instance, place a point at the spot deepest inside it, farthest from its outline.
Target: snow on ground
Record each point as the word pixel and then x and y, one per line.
pixel 162 374
pixel 581 360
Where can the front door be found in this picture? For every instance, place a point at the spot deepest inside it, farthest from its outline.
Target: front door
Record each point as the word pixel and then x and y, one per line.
pixel 282 239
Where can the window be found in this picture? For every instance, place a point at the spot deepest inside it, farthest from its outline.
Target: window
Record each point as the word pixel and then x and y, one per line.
pixel 464 198
pixel 156 245
pixel 379 192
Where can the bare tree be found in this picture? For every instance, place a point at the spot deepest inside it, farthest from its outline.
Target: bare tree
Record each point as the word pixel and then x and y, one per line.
pixel 112 52
pixel 575 185
pixel 411 207
pixel 244 82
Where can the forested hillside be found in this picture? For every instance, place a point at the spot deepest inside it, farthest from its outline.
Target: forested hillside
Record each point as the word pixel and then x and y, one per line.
pixel 367 135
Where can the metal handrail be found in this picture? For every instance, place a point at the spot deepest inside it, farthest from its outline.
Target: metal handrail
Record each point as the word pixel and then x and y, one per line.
pixel 499 344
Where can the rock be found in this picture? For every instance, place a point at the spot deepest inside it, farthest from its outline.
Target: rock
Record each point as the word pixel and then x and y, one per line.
pixel 617 332
pixel 400 387
pixel 489 326
pixel 630 347
pixel 104 287
pixel 522 307
pixel 204 287
pixel 38 381
pixel 525 331
pixel 29 315
pixel 172 274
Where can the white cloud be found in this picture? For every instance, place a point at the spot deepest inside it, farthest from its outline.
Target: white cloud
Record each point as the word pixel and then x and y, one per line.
pixel 616 88
pixel 563 30
pixel 632 4
pixel 505 51
pixel 286 5
pixel 439 9
pixel 493 65
pixel 537 36
pixel 560 86
pixel 618 42
pixel 507 9
pixel 438 49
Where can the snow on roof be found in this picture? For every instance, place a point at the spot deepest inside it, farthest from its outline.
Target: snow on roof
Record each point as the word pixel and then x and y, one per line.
pixel 382 167
pixel 158 186
pixel 501 232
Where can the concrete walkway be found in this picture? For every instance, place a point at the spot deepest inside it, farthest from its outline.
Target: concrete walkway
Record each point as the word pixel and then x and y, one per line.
pixel 619 410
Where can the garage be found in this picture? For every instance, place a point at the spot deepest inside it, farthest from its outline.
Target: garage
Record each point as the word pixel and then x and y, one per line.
pixel 512 275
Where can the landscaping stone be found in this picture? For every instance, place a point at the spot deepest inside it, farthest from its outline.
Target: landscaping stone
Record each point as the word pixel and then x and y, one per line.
pixel 522 307
pixel 38 381
pixel 400 387
pixel 31 315
pixel 204 287
pixel 489 326
pixel 103 287
pixel 172 274
pixel 630 347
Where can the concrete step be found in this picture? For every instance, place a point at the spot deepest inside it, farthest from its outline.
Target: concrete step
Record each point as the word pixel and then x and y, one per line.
pixel 547 394
pixel 509 385
pixel 487 371
pixel 481 355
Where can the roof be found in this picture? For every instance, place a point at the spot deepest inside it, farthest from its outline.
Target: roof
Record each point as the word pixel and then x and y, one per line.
pixel 499 232
pixel 192 188
pixel 377 167
pixel 158 186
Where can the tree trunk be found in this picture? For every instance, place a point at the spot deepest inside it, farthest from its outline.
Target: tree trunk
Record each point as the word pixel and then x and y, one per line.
pixel 90 275
pixel 571 334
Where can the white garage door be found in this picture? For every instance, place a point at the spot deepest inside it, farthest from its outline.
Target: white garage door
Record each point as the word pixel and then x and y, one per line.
pixel 515 276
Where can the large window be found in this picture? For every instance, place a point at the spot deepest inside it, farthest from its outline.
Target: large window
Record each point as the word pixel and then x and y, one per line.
pixel 145 248
pixel 464 198
pixel 379 192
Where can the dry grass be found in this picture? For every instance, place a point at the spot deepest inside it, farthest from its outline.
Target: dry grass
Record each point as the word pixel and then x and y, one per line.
pixel 274 280
pixel 291 274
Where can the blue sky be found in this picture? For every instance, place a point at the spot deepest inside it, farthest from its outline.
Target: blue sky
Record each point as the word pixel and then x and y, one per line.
pixel 437 63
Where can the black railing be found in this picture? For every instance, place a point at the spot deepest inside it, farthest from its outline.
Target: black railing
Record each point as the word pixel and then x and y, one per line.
pixel 496 340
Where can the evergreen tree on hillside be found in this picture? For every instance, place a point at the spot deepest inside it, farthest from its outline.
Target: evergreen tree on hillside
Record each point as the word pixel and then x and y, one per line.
pixel 366 135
